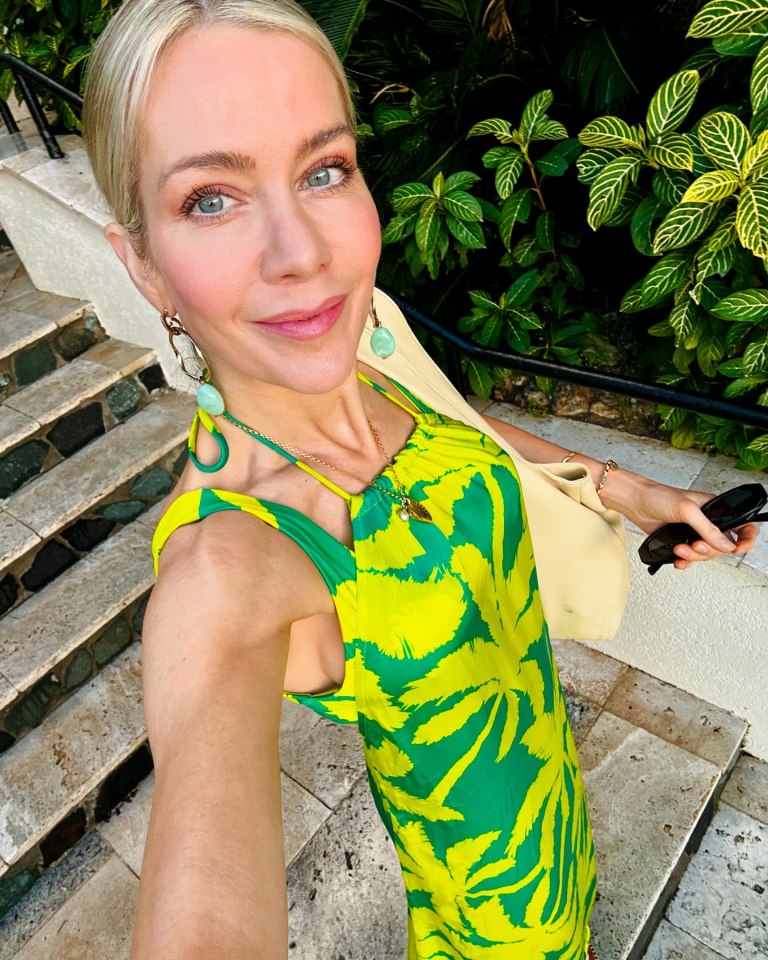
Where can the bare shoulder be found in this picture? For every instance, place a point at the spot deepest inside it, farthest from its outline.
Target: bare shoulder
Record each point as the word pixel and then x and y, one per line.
pixel 233 564
pixel 220 616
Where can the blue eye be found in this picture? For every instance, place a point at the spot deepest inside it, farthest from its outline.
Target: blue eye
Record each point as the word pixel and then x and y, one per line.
pixel 211 205
pixel 326 176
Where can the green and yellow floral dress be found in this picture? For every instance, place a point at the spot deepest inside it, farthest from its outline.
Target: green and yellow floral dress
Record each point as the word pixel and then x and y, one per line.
pixel 451 681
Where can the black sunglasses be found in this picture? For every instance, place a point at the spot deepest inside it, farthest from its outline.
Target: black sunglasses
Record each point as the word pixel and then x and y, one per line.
pixel 731 509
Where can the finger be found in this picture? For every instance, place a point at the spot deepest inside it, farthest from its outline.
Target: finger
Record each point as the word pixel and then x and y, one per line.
pixel 746 537
pixel 713 537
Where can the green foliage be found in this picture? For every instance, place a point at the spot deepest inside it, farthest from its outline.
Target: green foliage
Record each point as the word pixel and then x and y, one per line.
pixel 55 38
pixel 700 208
pixel 439 225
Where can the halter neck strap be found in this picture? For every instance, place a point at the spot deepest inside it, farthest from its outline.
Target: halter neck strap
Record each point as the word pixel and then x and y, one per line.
pixel 203 418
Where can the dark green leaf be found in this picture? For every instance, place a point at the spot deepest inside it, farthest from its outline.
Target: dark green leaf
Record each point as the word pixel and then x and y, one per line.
pixel 463 206
pixel 522 288
pixel 467 233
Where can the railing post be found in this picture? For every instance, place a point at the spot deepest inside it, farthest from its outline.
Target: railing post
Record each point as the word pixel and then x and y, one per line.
pixel 8 118
pixel 37 114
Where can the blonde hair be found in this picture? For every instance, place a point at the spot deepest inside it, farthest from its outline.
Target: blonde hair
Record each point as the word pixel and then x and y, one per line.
pixel 122 68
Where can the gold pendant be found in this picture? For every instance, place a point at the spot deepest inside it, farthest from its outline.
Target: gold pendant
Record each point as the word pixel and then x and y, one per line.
pixel 415 510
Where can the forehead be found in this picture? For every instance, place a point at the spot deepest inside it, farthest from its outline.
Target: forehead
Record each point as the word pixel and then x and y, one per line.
pixel 224 87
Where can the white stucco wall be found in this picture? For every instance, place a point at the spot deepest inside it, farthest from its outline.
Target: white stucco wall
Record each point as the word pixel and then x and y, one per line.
pixel 704 630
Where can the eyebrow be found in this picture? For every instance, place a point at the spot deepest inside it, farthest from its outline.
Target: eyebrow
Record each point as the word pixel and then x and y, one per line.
pixel 241 163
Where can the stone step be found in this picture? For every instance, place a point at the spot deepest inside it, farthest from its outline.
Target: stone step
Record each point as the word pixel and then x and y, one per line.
pixel 58 639
pixel 59 414
pixel 40 332
pixel 60 516
pixel 51 782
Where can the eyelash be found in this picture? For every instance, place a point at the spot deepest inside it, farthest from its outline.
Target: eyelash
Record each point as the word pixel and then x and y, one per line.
pixel 211 190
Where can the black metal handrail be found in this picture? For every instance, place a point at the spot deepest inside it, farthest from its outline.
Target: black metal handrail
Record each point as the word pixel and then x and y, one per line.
pixel 23 74
pixel 626 386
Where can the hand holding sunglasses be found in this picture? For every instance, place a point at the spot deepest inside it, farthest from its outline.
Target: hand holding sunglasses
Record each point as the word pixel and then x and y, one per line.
pixel 729 510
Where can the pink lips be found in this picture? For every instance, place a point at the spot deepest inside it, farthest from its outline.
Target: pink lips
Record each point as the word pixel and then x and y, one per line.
pixel 305 324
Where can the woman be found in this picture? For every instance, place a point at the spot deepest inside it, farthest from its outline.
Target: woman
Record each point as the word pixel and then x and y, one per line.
pixel 222 134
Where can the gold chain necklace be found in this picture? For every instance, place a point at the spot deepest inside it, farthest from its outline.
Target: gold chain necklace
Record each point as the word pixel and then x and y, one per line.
pixel 409 507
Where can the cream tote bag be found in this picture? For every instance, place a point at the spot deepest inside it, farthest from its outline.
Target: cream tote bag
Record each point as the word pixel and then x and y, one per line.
pixel 580 552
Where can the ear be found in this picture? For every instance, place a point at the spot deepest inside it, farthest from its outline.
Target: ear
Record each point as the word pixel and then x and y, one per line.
pixel 146 280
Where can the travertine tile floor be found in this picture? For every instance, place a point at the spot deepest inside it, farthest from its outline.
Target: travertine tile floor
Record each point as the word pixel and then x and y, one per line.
pixel 646 749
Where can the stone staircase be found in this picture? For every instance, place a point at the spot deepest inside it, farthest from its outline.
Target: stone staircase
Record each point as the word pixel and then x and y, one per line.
pixel 90 440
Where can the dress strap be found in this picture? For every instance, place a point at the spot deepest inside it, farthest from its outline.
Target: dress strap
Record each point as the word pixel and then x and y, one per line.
pixel 414 401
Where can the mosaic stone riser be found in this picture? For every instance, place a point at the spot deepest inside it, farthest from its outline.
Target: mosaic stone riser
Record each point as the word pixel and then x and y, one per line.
pixel 45 355
pixel 52 444
pixel 40 566
pixel 29 711
pixel 96 808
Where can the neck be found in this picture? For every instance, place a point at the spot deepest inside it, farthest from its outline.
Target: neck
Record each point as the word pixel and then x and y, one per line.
pixel 335 420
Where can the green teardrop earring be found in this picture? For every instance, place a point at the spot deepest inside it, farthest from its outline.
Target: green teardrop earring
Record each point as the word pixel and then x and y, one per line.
pixel 382 339
pixel 209 399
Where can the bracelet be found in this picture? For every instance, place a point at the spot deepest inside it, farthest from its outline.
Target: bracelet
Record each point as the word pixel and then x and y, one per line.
pixel 571 455
pixel 608 466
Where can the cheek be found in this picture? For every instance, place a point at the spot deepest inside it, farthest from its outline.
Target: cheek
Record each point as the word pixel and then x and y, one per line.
pixel 201 272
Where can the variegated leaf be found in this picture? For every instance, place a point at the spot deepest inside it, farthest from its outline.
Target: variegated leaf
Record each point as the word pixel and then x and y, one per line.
pixel 744 306
pixel 496 155
pixel 592 162
pixel 515 209
pixel 716 185
pixel 752 218
pixel 721 17
pixel 463 205
pixel 756 158
pixel 549 130
pixel 710 351
pixel 460 181
pixel 682 319
pixel 609 187
pixel 714 263
pixel 724 234
pixel 664 277
pixel 468 233
pixel 534 111
pixel 725 140
pixel 410 195
pixel 673 151
pixel 670 186
pixel 427 226
pixel 507 174
pixel 522 288
pixel 756 357
pixel 758 83
pixel 610 132
pixel 683 224
pixel 670 104
pixel 632 301
pixel 746 43
pixel 499 128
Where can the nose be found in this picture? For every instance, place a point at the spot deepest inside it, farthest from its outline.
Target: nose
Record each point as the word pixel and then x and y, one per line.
pixel 295 247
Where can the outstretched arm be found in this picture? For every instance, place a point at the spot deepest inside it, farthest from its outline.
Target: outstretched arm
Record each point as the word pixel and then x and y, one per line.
pixel 643 501
pixel 214 654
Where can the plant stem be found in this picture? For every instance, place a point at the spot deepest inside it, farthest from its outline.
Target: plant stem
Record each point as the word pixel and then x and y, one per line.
pixel 535 179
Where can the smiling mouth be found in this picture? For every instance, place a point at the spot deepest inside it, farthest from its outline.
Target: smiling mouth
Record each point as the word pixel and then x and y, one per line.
pixel 305 324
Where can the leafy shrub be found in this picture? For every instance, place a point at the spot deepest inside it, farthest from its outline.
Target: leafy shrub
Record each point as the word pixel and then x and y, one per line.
pixel 437 227
pixel 697 202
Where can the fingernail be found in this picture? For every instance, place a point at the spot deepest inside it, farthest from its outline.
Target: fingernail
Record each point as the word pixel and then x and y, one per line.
pixel 701 548
pixel 725 544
